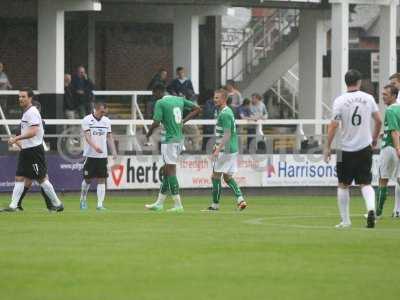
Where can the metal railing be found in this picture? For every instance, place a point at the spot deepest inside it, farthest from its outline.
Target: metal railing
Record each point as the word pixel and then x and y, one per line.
pixel 260 37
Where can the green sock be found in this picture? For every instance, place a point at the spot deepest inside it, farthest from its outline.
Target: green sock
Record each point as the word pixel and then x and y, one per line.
pixel 164 188
pixel 216 190
pixel 235 188
pixel 173 185
pixel 382 192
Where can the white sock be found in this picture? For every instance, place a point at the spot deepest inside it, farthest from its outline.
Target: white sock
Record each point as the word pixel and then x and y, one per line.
pixel 50 192
pixel 84 190
pixel 177 200
pixel 369 197
pixel 344 204
pixel 161 199
pixel 17 192
pixel 397 198
pixel 101 193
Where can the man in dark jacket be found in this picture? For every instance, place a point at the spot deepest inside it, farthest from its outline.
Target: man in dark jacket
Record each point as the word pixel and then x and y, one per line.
pixel 82 89
pixel 181 84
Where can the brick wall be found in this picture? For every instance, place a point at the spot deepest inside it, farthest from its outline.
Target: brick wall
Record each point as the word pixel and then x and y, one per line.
pixel 18 52
pixel 128 55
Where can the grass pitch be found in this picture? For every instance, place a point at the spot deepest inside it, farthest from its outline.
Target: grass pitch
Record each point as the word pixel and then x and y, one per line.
pixel 279 248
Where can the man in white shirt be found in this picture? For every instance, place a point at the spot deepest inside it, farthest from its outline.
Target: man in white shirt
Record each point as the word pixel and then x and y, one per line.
pixel 97 133
pixel 31 160
pixel 395 80
pixel 354 111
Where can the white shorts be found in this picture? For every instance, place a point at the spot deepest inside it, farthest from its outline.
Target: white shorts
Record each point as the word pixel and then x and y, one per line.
pixel 170 152
pixel 226 163
pixel 388 163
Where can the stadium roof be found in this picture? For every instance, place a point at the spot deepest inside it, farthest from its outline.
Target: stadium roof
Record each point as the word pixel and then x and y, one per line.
pixel 243 3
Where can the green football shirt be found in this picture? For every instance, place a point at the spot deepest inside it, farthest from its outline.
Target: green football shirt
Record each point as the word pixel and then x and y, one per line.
pixel 392 122
pixel 226 121
pixel 168 111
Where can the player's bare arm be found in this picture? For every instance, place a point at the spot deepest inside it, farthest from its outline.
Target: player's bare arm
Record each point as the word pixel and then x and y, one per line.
pixel 194 113
pixel 111 144
pixel 332 128
pixel 153 126
pixel 377 129
pixel 224 140
pixel 90 142
pixel 30 133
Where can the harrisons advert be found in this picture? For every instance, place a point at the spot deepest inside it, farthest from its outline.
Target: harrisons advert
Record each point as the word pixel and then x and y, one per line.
pixel 143 172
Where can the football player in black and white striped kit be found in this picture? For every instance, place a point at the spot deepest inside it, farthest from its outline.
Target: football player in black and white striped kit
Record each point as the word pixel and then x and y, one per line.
pixel 31 160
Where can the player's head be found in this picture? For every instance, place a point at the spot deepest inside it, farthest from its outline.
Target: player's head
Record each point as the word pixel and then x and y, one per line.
pixel 389 94
pixel 100 109
pixel 159 91
pixel 180 72
pixel 25 97
pixel 395 80
pixel 353 79
pixel 220 97
pixel 255 98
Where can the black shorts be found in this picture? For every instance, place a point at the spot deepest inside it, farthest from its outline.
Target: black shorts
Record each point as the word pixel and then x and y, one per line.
pixel 355 166
pixel 32 163
pixel 95 168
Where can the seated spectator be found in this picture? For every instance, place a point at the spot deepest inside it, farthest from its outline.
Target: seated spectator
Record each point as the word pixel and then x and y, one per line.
pixel 70 107
pixel 234 96
pixel 4 85
pixel 181 84
pixel 257 108
pixel 160 78
pixel 258 112
pixel 82 91
pixel 192 131
pixel 244 111
pixel 209 112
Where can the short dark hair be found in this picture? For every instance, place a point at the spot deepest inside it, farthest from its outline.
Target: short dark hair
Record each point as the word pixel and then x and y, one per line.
pixel 246 101
pixel 178 69
pixel 257 95
pixel 159 88
pixel 393 90
pixel 352 77
pixel 98 104
pixel 395 76
pixel 28 90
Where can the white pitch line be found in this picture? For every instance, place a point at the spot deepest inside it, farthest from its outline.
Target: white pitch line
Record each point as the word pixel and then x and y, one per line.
pixel 260 221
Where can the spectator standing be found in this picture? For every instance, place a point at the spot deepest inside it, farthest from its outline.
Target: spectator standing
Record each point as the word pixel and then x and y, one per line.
pixel 160 78
pixel 180 84
pixel 70 107
pixel 4 85
pixel 395 81
pixel 82 91
pixel 234 96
